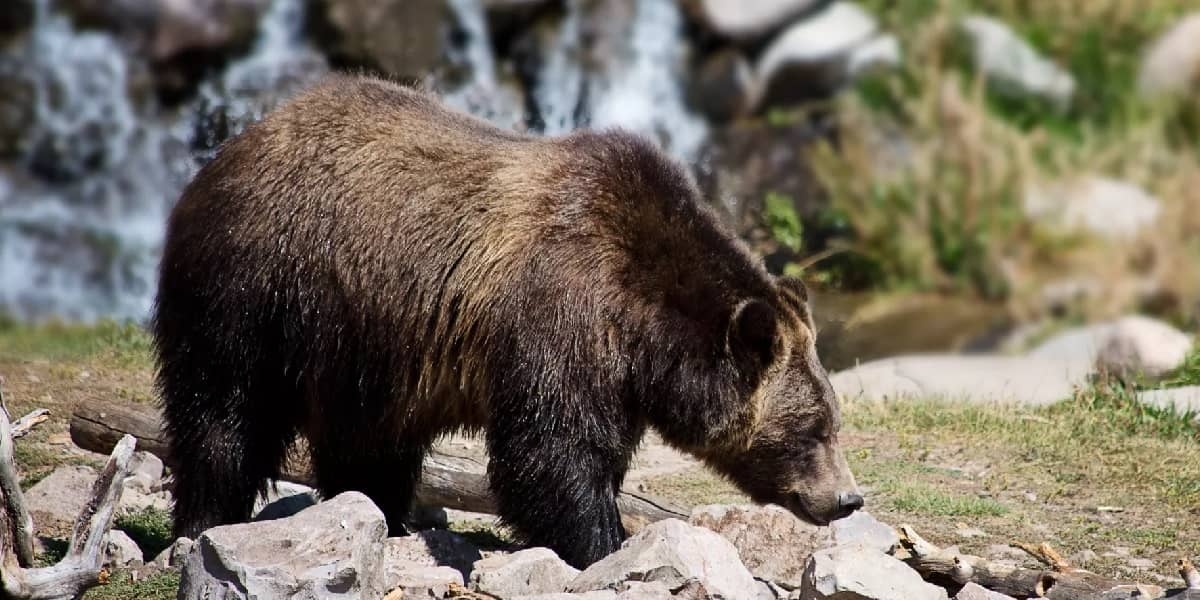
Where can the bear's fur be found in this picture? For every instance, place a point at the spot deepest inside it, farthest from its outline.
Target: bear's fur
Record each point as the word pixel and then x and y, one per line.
pixel 370 270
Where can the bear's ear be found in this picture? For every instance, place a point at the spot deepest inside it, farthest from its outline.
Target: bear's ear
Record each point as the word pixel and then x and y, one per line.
pixel 753 330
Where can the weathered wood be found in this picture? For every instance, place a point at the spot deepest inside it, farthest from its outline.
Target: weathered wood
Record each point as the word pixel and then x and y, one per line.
pixel 17 530
pixel 82 567
pixel 1061 582
pixel 21 427
pixel 448 480
pixel 99 426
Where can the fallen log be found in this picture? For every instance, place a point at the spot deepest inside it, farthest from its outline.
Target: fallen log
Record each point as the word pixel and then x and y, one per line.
pixel 1061 581
pixel 448 480
pixel 82 566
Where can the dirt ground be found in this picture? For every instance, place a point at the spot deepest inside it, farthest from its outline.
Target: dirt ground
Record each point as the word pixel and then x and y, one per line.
pixel 978 478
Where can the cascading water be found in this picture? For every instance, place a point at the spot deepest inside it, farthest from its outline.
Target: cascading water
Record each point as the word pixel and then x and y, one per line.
pixel 84 199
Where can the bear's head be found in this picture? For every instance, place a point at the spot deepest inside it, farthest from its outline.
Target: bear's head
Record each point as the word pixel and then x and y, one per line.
pixel 791 456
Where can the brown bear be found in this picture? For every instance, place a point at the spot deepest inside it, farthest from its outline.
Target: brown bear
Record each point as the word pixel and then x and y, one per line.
pixel 370 270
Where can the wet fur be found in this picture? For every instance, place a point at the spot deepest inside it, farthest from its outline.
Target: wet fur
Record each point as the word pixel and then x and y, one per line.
pixel 370 270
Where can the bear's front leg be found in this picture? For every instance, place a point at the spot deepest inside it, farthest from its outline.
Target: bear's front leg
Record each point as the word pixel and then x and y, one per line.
pixel 557 492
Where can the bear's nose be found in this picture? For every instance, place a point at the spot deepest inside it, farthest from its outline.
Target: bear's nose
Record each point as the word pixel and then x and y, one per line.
pixel 847 504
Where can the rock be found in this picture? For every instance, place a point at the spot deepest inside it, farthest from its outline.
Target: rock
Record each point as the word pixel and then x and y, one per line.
pixel 16 16
pixel 134 501
pixel 283 499
pixel 1172 63
pixel 120 550
pixel 974 591
pixel 421 581
pixel 596 595
pixel 882 51
pixel 56 501
pixel 770 541
pixel 523 573
pixel 1133 344
pixel 724 87
pixel 1181 399
pixel 810 58
pixel 644 590
pixel 401 38
pixel 1005 552
pixel 671 552
pixel 1109 208
pixel 860 572
pixel 979 378
pixel 1143 346
pixel 1140 563
pixel 332 550
pixel 970 532
pixel 1083 558
pixel 1012 65
pixel 863 528
pixel 173 556
pixel 145 473
pixel 430 549
pixel 740 20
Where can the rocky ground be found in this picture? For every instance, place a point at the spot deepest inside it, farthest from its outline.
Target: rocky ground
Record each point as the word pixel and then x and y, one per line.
pixel 1110 481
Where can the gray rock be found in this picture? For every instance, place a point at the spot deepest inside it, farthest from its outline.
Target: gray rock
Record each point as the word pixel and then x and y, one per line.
pixel 403 38
pixel 133 501
pixel 863 528
pixel 1133 344
pixel 1180 399
pixel 55 501
pixel 149 466
pixel 741 20
pixel 1012 65
pixel 596 595
pixel 332 550
pixel 431 548
pixel 1140 563
pixel 770 541
pixel 810 58
pixel 523 573
pixel 1172 63
pixel 1109 208
pixel 644 590
pixel 975 378
pixel 974 591
pixel 417 581
pixel 671 552
pixel 1083 558
pixel 174 556
pixel 283 499
pixel 120 550
pixel 724 87
pixel 859 572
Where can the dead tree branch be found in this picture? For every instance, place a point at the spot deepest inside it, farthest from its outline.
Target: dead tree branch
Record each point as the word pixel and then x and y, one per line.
pixel 82 567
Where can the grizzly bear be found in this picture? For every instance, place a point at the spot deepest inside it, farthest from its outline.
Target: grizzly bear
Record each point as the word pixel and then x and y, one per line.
pixel 370 270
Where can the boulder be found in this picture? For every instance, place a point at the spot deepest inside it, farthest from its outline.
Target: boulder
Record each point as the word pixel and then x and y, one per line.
pixel 724 87
pixel 135 501
pixel 283 499
pixel 1108 208
pixel 332 550
pixel 770 541
pixel 863 528
pixel 174 555
pixel 974 591
pixel 1171 64
pixel 145 473
pixel 120 551
pixel 858 572
pixel 401 38
pixel 523 573
pixel 1182 400
pixel 431 548
pixel 1012 65
pixel 810 58
pixel 421 581
pixel 976 378
pixel 644 590
pixel 740 20
pixel 1130 345
pixel 55 502
pixel 671 552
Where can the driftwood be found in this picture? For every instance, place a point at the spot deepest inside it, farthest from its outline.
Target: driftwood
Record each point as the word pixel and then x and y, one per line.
pixel 448 480
pixel 1061 581
pixel 82 567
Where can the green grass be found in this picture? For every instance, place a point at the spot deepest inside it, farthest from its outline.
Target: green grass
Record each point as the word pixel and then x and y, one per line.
pixel 124 344
pixel 928 501
pixel 160 586
pixel 1187 374
pixel 150 528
